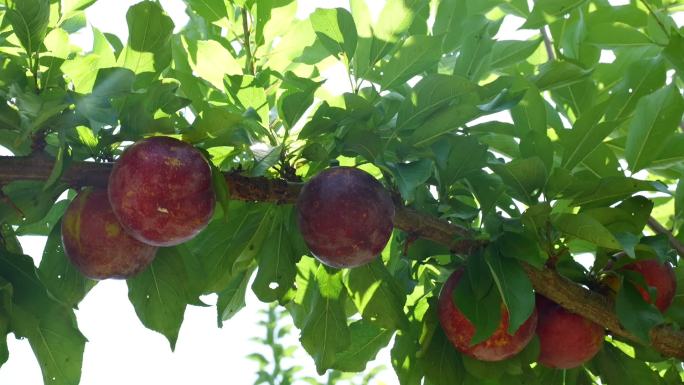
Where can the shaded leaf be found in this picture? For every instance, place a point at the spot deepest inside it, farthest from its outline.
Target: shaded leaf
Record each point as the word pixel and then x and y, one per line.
pixel 656 117
pixel 325 332
pixel 49 326
pixel 377 295
pixel 587 228
pixel 366 341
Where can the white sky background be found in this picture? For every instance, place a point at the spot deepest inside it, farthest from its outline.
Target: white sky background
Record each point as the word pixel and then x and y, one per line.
pixel 120 350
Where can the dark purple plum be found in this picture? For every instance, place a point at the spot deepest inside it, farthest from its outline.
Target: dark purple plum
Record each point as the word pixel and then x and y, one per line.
pixel 161 191
pixel 345 216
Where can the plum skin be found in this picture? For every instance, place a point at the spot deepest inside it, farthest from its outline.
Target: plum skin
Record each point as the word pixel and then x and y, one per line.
pixel 345 216
pixel 161 191
pixel 95 242
pixel 658 275
pixel 567 340
pixel 460 331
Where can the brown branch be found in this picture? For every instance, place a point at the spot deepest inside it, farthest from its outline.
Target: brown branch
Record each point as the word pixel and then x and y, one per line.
pixel 574 297
pixel 660 229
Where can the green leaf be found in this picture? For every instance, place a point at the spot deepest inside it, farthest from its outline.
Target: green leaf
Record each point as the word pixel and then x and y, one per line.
pixel 587 228
pixel 45 225
pixel 29 20
pixel 5 313
pixel 477 297
pixel 635 314
pixel 228 247
pixel 336 30
pixel 204 54
pixel 430 94
pixel 417 54
pixel 472 59
pixel 521 247
pixel 69 7
pixel 377 295
pixel 297 98
pixel 514 287
pixel 557 74
pixel 616 367
pixel 149 28
pixel 232 298
pixel 547 11
pixel 673 53
pixel 325 333
pixel 530 113
pixel 49 326
pixel 277 257
pixel 525 177
pixel 643 76
pixel 612 189
pixel 161 292
pixel 442 362
pixel 585 135
pixel 466 155
pixel 408 176
pixel 149 36
pixel 25 202
pixel 656 117
pixel 407 366
pixel 62 280
pixel 366 341
pixel 210 10
pixel 616 35
pixel 508 52
pixel 396 17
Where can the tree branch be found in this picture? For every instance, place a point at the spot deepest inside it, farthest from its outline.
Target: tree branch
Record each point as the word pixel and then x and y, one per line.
pixel 660 229
pixel 249 65
pixel 547 44
pixel 572 296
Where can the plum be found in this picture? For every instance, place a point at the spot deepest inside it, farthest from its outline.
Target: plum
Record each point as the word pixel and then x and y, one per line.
pixel 161 191
pixel 345 216
pixel 96 243
pixel 661 276
pixel 460 331
pixel 566 339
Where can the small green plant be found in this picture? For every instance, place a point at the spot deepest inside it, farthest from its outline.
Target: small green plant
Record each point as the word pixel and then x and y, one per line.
pixel 273 370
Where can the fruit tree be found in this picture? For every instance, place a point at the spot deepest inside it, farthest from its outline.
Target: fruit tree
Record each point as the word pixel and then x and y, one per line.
pixel 426 177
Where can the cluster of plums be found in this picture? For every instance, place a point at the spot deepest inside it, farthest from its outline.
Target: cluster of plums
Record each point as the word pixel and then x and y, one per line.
pixel 160 194
pixel 567 340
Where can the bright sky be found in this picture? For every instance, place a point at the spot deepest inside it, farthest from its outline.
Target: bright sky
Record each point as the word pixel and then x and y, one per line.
pixel 120 350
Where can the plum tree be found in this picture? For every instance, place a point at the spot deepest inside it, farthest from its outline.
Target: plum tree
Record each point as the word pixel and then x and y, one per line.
pixel 96 243
pixel 659 276
pixel 460 331
pixel 498 138
pixel 566 339
pixel 345 216
pixel 161 191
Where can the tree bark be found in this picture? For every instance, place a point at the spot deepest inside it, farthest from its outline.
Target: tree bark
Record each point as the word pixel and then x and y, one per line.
pixel 572 296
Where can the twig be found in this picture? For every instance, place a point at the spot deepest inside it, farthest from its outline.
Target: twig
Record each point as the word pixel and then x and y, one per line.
pixel 547 44
pixel 249 66
pixel 660 229
pixel 571 295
